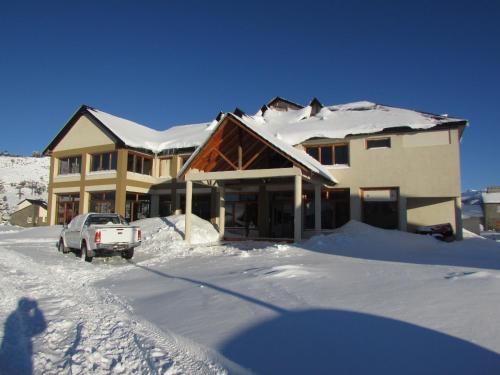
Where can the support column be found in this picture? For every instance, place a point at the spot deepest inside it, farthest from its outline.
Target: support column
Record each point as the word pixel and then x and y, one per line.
pixel 155 205
pixel 297 217
pixel 222 212
pixel 403 225
pixel 189 201
pixel 317 208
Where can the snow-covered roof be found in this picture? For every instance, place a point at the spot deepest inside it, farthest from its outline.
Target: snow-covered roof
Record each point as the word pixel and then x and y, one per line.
pixel 491 197
pixel 298 155
pixel 339 121
pixel 140 136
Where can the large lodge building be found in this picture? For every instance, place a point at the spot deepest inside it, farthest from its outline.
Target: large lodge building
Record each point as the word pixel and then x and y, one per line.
pixel 287 172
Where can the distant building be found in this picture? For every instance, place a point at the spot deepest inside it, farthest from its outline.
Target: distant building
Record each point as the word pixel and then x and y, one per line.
pixel 491 208
pixel 30 213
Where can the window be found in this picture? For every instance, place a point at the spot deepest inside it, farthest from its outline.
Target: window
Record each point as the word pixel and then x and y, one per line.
pixel 139 164
pixel 335 208
pixel 241 211
pixel 103 162
pixel 102 202
pixel 70 164
pixel 378 143
pixel 165 205
pixel 380 207
pixel 330 154
pixel 67 207
pixel 105 219
pixel 137 206
pixel 29 220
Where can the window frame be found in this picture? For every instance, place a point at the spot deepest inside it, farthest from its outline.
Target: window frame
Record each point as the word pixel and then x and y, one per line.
pixel 141 157
pixel 378 139
pixel 100 155
pixel 68 160
pixel 332 147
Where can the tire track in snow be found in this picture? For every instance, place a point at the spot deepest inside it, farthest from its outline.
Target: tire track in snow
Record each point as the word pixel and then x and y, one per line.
pixel 88 329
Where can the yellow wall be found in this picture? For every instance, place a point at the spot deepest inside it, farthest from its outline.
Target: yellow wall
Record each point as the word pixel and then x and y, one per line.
pixel 83 134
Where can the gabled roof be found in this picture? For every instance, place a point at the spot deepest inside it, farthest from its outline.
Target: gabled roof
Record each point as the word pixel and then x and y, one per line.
pixel 128 133
pixel 36 202
pixel 276 101
pixel 296 155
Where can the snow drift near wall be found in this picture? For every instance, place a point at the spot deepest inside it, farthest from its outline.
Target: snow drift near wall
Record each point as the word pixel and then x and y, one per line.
pixel 364 241
pixel 166 234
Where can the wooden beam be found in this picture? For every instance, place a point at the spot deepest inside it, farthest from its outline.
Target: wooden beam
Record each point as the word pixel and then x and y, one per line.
pixel 255 156
pixel 225 158
pixel 248 174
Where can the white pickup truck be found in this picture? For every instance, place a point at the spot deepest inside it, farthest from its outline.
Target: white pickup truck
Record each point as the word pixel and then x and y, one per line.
pixel 95 234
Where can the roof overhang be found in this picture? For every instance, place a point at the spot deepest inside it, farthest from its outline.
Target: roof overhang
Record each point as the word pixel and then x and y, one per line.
pixel 239 174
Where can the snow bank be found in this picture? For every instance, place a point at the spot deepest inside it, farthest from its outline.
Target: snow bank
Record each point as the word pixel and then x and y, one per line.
pixel 163 239
pixel 360 240
pixel 171 228
pixel 356 236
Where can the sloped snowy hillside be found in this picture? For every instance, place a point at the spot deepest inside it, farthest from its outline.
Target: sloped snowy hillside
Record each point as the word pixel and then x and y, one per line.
pixel 21 178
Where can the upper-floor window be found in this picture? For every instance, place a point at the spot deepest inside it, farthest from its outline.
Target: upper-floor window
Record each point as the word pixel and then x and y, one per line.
pixel 330 154
pixel 70 164
pixel 378 143
pixel 103 162
pixel 139 164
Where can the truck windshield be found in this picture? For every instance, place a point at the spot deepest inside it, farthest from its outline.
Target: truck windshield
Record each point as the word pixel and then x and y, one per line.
pixel 103 220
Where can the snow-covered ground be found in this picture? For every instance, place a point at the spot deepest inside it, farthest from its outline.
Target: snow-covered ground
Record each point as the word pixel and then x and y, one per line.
pixel 362 300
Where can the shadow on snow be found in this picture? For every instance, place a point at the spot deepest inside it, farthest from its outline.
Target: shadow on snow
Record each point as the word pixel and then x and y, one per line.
pixel 21 326
pixel 326 341
pixel 347 342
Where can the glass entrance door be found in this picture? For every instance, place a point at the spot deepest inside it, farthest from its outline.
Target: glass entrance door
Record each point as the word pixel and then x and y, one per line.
pixel 281 215
pixel 137 206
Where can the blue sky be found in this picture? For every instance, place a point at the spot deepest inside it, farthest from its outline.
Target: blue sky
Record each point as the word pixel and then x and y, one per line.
pixel 163 63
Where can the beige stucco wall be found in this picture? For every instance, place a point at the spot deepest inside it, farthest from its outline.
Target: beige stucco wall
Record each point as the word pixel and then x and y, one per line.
pixel 428 211
pixel 83 134
pixel 420 165
pixel 425 171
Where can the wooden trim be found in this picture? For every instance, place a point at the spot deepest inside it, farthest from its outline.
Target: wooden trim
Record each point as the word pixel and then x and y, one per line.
pixel 255 156
pixel 224 157
pixel 248 174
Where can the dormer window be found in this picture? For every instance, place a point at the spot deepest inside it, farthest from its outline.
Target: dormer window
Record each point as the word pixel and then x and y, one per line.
pixel 336 154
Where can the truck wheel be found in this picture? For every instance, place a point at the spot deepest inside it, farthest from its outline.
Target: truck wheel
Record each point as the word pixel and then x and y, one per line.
pixel 62 249
pixel 128 254
pixel 84 253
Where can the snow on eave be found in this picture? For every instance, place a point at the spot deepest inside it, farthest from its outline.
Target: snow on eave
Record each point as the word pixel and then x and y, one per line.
pixel 212 128
pixel 299 156
pixel 340 121
pixel 140 136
